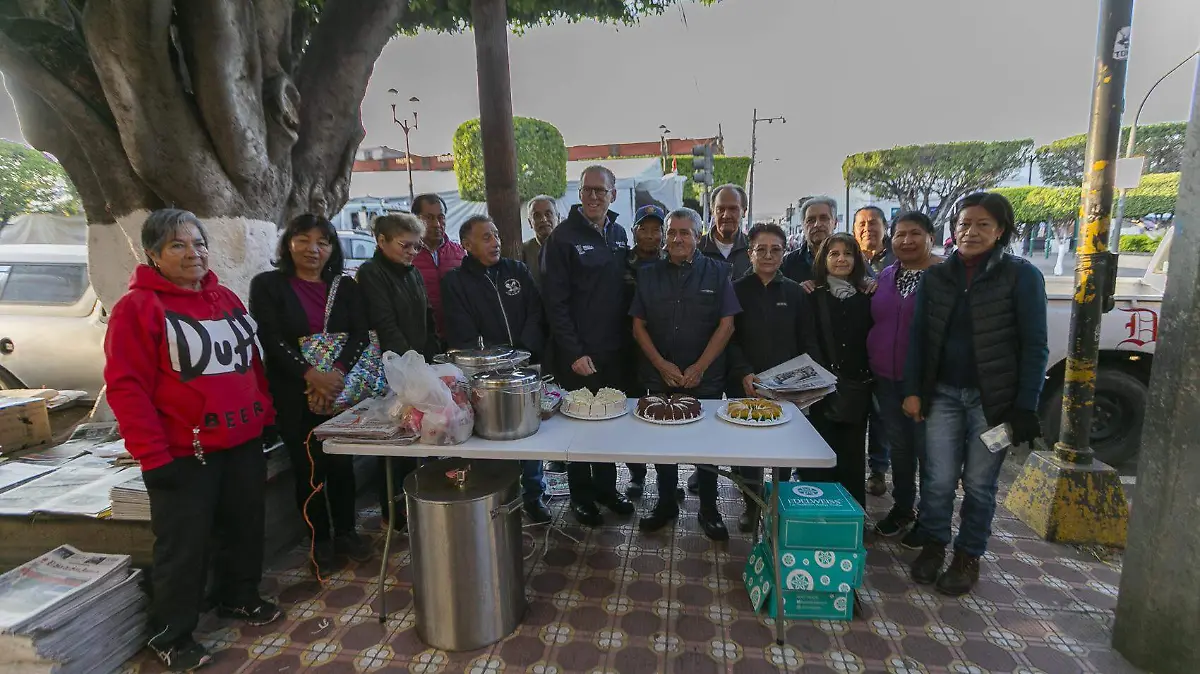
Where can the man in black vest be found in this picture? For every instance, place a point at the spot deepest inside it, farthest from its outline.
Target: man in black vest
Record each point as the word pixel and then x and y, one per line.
pixel 494 300
pixel 683 313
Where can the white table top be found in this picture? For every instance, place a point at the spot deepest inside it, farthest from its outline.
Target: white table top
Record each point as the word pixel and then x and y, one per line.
pixel 628 439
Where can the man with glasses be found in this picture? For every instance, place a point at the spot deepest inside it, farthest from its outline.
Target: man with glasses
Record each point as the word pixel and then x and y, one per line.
pixel 772 329
pixel 818 217
pixel 438 253
pixel 543 218
pixel 725 240
pixel 682 319
pixel 584 291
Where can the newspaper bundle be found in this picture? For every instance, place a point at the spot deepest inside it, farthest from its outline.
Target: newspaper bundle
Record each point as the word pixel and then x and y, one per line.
pixel 130 500
pixel 78 487
pixel 71 612
pixel 367 423
pixel 801 381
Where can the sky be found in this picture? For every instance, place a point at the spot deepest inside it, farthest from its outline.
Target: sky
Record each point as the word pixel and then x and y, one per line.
pixel 849 76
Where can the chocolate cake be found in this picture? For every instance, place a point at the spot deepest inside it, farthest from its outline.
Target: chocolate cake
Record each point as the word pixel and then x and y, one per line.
pixel 674 407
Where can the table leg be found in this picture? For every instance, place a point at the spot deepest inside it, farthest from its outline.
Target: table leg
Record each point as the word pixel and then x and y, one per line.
pixel 387 537
pixel 773 522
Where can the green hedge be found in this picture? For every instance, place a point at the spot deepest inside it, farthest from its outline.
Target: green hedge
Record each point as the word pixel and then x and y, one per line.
pixel 1140 243
pixel 725 170
pixel 541 160
pixel 1061 162
pixel 1156 194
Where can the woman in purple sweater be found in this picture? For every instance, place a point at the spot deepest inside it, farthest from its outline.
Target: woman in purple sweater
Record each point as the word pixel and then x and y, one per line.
pixel 887 347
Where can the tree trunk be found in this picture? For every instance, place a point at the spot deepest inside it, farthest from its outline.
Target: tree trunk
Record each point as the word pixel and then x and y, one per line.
pixel 490 18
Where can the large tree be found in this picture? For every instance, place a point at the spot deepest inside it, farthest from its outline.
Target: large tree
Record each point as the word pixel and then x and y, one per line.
pixel 929 178
pixel 245 112
pixel 31 182
pixel 1061 162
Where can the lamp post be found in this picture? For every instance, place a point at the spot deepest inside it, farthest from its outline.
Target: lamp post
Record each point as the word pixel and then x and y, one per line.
pixel 663 131
pixel 753 157
pixel 407 128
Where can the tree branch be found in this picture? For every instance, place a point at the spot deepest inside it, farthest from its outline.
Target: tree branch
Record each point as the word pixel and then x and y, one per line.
pixel 332 79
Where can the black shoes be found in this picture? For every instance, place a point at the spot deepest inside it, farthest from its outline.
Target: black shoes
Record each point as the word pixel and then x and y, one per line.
pixel 876 484
pixel 586 514
pixel 928 565
pixel 617 503
pixel 960 576
pixel 324 558
pixel 635 489
pixel 353 546
pixel 537 512
pixel 712 524
pixel 749 518
pixel 258 612
pixel 663 514
pixel 185 655
pixel 915 539
pixel 896 523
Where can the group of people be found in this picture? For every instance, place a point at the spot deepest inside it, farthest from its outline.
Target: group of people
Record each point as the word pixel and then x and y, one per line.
pixel 929 353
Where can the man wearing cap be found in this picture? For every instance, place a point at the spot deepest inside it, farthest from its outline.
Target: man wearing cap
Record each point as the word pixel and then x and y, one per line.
pixel 647 249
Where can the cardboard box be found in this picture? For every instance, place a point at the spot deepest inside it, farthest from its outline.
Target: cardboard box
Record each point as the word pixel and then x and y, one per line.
pixel 817 516
pixel 24 423
pixel 815 570
pixel 797 604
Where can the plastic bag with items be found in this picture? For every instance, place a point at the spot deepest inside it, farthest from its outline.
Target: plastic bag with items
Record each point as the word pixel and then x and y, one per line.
pixel 431 400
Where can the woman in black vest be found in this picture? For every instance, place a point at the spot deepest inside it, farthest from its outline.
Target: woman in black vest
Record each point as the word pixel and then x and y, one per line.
pixel 976 359
pixel 841 315
pixel 289 304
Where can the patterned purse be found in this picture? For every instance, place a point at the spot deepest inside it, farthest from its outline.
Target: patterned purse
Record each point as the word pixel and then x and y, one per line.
pixel 365 379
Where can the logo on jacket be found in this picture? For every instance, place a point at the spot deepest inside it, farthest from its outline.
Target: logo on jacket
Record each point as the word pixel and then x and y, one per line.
pixel 584 248
pixel 220 346
pixel 512 287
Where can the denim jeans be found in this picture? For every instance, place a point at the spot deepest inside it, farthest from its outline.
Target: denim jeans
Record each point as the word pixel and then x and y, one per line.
pixel 953 451
pixel 879 450
pixel 533 483
pixel 905 438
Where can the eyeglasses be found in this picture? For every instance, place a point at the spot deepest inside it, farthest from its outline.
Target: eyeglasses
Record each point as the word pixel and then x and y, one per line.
pixel 412 247
pixel 767 251
pixel 594 191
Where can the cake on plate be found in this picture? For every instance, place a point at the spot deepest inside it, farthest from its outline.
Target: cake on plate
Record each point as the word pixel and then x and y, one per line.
pixel 754 409
pixel 674 407
pixel 606 402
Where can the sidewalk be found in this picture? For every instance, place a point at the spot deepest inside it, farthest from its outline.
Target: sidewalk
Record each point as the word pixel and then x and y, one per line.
pixel 627 602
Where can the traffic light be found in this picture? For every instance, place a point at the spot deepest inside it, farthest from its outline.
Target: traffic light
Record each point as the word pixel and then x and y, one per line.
pixel 702 164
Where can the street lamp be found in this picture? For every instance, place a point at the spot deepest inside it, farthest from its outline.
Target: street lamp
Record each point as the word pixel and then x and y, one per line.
pixel 663 131
pixel 1114 235
pixel 407 128
pixel 753 157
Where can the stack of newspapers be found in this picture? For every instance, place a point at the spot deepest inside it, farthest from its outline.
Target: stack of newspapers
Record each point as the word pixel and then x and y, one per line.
pixel 71 612
pixel 801 381
pixel 130 500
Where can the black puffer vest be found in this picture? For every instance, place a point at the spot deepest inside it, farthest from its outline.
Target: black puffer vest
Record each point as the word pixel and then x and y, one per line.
pixel 994 337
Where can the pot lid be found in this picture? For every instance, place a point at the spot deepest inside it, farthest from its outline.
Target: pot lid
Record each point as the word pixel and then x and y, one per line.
pixel 519 378
pixel 436 481
pixel 486 357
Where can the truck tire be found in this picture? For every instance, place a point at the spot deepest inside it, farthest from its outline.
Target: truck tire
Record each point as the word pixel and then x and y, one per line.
pixel 1120 412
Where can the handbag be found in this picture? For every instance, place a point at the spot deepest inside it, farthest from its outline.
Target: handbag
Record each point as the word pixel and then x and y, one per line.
pixel 851 402
pixel 365 379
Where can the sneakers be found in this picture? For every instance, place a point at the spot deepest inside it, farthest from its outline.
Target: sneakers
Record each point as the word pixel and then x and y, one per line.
pixel 258 612
pixel 353 546
pixel 896 523
pixel 915 540
pixel 876 484
pixel 185 655
pixel 960 576
pixel 928 565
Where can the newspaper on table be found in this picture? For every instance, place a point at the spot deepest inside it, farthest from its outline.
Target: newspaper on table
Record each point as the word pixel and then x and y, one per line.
pixel 71 612
pixel 79 487
pixel 83 439
pixel 367 422
pixel 130 501
pixel 801 381
pixel 14 473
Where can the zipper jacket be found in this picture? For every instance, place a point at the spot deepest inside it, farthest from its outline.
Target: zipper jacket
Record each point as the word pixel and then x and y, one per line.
pixel 498 304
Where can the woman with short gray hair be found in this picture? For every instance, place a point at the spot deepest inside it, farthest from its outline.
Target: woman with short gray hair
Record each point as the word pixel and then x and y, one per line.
pixel 194 421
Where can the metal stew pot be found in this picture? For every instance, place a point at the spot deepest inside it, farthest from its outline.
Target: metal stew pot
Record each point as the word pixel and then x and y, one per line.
pixel 489 359
pixel 508 405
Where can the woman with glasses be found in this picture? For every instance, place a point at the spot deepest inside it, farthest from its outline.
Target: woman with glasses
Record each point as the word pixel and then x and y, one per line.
pixel 976 359
pixel 771 329
pixel 289 304
pixel 398 311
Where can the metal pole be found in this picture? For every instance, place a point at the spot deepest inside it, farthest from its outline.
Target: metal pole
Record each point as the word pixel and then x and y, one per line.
pixel 408 164
pixel 1095 264
pixel 753 159
pixel 847 206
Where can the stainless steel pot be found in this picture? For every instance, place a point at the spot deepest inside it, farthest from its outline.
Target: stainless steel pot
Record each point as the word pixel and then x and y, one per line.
pixel 489 359
pixel 508 405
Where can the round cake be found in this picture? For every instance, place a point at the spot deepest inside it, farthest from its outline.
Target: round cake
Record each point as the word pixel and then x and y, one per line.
pixel 754 409
pixel 674 407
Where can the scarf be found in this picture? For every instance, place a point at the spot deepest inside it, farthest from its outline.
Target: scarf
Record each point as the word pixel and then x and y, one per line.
pixel 841 288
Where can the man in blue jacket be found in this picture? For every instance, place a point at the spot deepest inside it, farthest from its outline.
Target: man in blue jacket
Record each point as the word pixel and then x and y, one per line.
pixel 584 291
pixel 495 300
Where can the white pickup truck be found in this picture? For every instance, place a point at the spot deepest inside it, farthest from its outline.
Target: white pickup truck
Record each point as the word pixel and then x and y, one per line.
pixel 1128 335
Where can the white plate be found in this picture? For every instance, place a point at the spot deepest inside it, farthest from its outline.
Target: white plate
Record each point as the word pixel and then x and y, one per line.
pixel 565 413
pixel 723 414
pixel 669 423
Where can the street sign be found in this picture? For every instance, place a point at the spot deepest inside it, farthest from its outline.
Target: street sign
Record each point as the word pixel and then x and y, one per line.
pixel 1129 172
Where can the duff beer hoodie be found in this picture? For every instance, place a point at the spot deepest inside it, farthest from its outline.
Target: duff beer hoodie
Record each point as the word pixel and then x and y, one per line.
pixel 183 366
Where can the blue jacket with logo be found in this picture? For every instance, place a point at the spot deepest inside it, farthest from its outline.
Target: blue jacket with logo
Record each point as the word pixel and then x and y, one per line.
pixel 500 303
pixel 583 287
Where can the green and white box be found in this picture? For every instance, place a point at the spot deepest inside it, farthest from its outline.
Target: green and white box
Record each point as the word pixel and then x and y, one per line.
pixel 817 516
pixel 815 570
pixel 758 577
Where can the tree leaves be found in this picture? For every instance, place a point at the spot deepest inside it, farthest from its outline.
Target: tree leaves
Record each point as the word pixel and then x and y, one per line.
pixel 541 159
pixel 1061 162
pixel 30 182
pixel 1156 194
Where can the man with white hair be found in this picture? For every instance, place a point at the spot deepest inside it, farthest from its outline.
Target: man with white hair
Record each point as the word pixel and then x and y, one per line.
pixel 683 312
pixel 543 218
pixel 818 218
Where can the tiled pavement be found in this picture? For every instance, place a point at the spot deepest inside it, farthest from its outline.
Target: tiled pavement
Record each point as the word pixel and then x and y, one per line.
pixel 622 601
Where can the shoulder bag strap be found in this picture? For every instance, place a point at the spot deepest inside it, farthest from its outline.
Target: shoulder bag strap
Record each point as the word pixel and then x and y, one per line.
pixel 333 288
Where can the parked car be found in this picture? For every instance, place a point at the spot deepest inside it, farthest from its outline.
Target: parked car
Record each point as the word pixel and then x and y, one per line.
pixel 51 322
pixel 357 248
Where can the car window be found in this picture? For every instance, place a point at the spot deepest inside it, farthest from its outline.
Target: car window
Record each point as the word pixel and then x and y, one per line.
pixel 361 249
pixel 42 283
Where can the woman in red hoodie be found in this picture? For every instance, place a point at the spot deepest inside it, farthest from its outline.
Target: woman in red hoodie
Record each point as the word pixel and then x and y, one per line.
pixel 186 383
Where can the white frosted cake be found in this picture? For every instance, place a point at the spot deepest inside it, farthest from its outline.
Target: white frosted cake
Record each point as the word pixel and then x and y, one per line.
pixel 606 402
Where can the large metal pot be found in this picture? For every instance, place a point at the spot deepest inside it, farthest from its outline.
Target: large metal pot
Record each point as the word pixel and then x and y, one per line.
pixel 508 405
pixel 464 522
pixel 488 359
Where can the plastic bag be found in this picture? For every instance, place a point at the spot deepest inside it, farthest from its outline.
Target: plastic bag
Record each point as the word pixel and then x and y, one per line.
pixel 430 400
